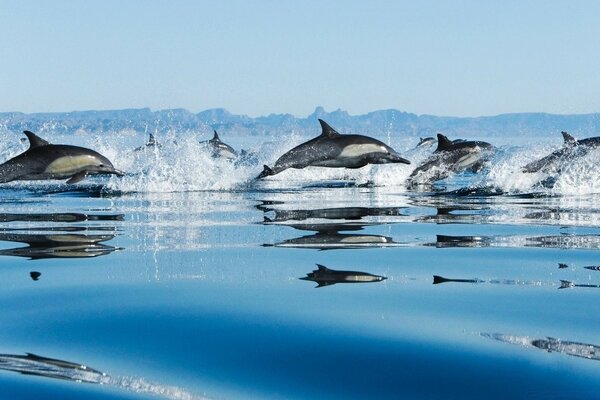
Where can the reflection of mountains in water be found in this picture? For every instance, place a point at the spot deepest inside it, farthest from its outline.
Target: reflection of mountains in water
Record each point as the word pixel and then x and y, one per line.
pixel 563 241
pixel 73 241
pixel 328 237
pixel 549 344
pixel 324 276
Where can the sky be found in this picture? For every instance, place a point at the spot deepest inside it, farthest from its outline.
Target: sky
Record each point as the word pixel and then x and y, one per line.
pixel 453 58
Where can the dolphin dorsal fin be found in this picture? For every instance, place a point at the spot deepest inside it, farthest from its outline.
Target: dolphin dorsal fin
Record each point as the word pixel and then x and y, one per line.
pixel 151 139
pixel 322 268
pixel 216 137
pixel 569 140
pixel 328 131
pixel 35 140
pixel 443 142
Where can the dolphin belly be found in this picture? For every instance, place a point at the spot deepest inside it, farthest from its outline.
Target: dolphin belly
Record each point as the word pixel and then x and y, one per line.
pixel 466 161
pixel 69 165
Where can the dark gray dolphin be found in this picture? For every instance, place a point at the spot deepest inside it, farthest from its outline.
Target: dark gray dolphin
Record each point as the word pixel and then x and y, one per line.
pixel 451 157
pixel 55 161
pixel 221 149
pixel 426 141
pixel 331 149
pixel 572 148
pixel 150 144
pixel 325 276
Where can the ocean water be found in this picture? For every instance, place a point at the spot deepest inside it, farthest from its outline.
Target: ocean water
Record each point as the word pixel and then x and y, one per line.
pixel 183 279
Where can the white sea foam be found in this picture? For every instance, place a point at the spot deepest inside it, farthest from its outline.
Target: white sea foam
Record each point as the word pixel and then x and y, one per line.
pixel 182 163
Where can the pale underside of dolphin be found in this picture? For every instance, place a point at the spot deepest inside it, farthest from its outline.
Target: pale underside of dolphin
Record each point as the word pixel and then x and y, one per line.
pixel 571 149
pixel 55 161
pixel 449 158
pixel 333 150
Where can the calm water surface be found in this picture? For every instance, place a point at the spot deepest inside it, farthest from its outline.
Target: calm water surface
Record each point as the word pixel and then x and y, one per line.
pixel 198 294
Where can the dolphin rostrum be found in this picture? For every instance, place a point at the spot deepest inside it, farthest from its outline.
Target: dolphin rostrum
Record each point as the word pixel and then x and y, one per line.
pixel 55 161
pixel 451 157
pixel 331 149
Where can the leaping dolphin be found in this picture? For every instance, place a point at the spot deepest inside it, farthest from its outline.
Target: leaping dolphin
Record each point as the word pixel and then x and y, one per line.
pixel 333 150
pixel 55 161
pixel 221 149
pixel 571 148
pixel 451 157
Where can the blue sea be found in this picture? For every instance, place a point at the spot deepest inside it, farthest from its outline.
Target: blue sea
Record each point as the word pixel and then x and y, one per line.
pixel 183 279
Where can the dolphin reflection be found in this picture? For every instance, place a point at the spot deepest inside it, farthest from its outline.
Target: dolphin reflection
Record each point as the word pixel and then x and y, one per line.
pixel 549 344
pixel 562 285
pixel 324 276
pixel 328 237
pixel 58 245
pixel 34 365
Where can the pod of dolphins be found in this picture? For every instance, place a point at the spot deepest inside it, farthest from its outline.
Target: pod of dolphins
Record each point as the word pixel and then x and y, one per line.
pixel 45 161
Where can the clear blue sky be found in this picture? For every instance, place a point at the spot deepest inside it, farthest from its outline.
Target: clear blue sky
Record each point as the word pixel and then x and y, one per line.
pixel 463 58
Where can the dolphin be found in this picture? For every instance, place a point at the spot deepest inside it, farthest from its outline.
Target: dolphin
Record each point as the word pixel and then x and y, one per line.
pixel 451 157
pixel 325 276
pixel 333 150
pixel 426 141
pixel 430 140
pixel 571 148
pixel 55 161
pixel 152 142
pixel 220 149
pixel 551 345
pixel 32 364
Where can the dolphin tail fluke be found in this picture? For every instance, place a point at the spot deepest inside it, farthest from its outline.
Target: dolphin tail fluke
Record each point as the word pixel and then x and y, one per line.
pixel 439 279
pixel 266 172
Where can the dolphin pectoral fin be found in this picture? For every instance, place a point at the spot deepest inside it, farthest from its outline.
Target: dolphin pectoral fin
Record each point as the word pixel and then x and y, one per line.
pixel 266 172
pixel 78 177
pixel 323 284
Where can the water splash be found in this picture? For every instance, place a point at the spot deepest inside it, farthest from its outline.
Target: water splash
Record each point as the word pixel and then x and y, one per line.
pixel 182 164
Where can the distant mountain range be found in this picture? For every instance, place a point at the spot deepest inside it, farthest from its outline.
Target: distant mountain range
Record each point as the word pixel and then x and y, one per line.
pixel 389 122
